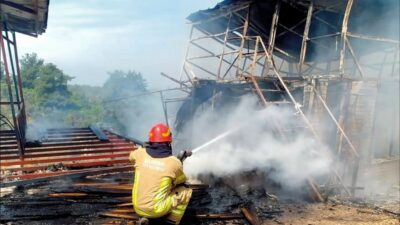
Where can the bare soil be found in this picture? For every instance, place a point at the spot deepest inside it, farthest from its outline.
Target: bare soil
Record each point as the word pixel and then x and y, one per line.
pixel 333 214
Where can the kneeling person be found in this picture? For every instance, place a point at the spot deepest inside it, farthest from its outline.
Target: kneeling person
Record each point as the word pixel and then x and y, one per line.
pixel 156 189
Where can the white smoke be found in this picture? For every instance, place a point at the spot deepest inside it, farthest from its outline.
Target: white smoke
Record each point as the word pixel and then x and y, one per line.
pixel 138 115
pixel 37 128
pixel 255 145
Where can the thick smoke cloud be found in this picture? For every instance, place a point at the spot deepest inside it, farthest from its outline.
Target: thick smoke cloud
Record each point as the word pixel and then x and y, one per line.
pixel 255 145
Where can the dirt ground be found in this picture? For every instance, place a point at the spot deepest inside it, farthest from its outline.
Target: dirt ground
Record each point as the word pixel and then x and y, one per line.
pixel 332 214
pixel 39 204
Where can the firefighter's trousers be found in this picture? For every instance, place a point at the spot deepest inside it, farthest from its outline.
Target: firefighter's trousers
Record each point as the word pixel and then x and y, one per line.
pixel 174 206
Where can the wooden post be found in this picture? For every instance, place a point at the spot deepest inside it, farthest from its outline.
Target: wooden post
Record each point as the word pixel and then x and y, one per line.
pixel 354 175
pixel 272 36
pixel 354 58
pixel 244 33
pixel 223 47
pixel 305 35
pixel 274 27
pixel 310 103
pixel 344 108
pixel 353 149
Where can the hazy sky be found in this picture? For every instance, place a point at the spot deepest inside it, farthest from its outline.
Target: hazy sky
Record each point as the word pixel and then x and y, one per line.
pixel 89 38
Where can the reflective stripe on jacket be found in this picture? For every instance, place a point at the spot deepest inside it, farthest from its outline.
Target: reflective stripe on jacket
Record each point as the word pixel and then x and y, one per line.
pixel 154 180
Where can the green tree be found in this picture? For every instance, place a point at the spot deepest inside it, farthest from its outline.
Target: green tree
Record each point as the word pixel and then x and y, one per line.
pixel 51 87
pixel 45 89
pixel 30 69
pixel 49 95
pixel 119 106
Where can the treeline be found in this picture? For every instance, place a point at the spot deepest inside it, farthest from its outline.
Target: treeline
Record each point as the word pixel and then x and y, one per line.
pixel 50 97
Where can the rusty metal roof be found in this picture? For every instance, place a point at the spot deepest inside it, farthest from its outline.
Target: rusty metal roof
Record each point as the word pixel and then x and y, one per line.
pixel 63 151
pixel 24 16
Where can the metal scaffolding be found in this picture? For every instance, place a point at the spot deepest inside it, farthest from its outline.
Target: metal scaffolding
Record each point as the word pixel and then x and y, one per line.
pixel 14 106
pixel 29 18
pixel 231 43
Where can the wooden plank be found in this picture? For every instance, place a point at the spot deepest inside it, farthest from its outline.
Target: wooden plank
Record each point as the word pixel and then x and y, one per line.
pixel 220 216
pixel 69 194
pixel 125 204
pixel 250 216
pixel 119 215
pixel 122 188
pixel 125 210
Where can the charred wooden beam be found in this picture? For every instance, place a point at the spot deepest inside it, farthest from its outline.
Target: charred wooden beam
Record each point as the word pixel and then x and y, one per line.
pixel 316 195
pixel 219 216
pixel 67 165
pixel 118 215
pixel 303 50
pixel 69 194
pixel 72 174
pixel 344 34
pixel 125 204
pixel 250 216
pixel 124 210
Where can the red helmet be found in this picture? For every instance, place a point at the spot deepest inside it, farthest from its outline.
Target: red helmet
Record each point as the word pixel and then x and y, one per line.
pixel 160 133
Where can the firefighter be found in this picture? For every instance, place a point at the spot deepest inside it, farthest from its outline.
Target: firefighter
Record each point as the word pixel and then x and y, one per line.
pixel 157 189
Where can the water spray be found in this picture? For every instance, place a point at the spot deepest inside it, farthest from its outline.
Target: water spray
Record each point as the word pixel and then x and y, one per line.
pixel 217 138
pixel 184 154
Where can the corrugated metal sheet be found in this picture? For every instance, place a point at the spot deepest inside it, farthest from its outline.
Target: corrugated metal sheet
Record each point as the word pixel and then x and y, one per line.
pixel 63 151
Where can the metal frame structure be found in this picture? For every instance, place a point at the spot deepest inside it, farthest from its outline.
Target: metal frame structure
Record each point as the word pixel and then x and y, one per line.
pixel 29 18
pixel 241 53
pixel 13 80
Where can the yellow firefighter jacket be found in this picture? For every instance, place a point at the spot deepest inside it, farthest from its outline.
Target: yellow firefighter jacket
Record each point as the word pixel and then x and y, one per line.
pixel 153 193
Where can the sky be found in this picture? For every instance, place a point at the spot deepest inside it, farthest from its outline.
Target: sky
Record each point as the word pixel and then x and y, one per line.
pixel 87 39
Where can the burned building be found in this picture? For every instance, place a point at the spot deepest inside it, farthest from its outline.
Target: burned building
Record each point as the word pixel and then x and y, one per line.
pixel 333 62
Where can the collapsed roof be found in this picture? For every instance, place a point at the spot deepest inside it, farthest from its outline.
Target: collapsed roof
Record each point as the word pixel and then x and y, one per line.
pixel 24 16
pixel 372 18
